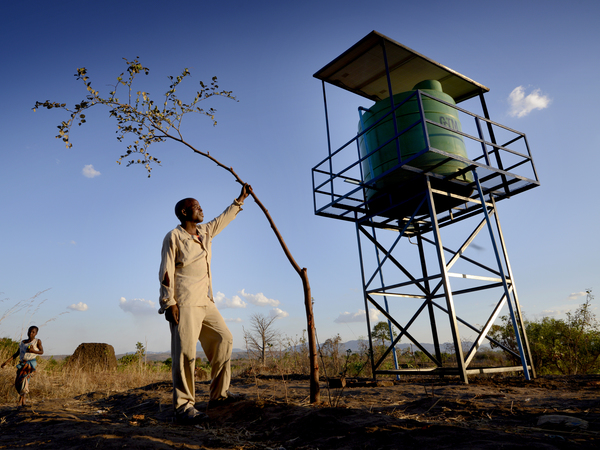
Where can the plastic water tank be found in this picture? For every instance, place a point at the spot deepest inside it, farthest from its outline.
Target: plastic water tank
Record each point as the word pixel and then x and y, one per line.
pixel 412 141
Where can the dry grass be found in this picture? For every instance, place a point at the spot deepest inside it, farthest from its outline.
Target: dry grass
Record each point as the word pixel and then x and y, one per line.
pixel 54 380
pixel 57 380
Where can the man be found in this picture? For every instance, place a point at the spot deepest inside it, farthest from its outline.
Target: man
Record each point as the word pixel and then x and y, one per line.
pixel 186 299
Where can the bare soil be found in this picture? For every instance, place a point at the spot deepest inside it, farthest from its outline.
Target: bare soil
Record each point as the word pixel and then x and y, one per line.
pixel 488 413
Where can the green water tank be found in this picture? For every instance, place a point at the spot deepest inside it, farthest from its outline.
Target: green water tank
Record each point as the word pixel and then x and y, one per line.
pixel 412 141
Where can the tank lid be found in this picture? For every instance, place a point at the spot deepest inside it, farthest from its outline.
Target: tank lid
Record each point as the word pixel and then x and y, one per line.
pixel 433 85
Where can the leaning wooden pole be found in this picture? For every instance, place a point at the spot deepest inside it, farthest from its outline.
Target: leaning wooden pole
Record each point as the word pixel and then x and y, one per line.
pixel 315 395
pixel 158 123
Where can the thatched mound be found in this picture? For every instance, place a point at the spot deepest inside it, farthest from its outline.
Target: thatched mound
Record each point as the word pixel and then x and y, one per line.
pixel 201 374
pixel 93 357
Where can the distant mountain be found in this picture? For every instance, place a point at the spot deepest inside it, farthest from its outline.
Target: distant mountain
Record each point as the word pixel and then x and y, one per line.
pixel 240 353
pixel 355 345
pixel 162 356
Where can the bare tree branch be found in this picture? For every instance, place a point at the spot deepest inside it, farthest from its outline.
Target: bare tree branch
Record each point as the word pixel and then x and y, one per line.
pixel 148 123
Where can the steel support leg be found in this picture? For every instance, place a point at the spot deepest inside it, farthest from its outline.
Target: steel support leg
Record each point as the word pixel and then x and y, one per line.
pixel 446 283
pixel 507 291
pixel 434 332
pixel 362 273
pixel 514 290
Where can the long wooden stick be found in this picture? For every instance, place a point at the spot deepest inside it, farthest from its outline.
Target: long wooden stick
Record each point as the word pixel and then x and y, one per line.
pixel 315 395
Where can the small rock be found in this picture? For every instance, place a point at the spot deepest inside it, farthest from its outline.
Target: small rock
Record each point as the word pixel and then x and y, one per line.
pixel 565 421
pixel 337 383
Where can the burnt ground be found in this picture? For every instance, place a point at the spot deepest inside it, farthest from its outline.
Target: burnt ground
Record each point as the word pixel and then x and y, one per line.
pixel 488 413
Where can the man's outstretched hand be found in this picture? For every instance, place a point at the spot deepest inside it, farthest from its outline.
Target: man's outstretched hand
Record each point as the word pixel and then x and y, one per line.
pixel 246 191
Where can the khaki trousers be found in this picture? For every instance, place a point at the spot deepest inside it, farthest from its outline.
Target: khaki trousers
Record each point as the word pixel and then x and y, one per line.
pixel 206 324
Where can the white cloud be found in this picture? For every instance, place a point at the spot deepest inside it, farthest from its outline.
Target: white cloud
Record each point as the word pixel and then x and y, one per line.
pixel 78 307
pixel 238 320
pixel 224 302
pixel 521 104
pixel 89 171
pixel 359 316
pixel 279 313
pixel 554 312
pixel 137 306
pixel 576 295
pixel 259 299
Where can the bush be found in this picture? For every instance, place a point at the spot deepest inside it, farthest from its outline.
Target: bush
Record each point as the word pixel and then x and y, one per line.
pixel 8 347
pixel 568 346
pixel 134 358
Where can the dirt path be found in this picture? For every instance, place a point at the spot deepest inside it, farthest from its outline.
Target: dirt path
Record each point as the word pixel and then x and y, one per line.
pixel 416 414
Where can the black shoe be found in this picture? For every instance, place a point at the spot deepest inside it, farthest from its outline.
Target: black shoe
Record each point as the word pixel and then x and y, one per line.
pixel 191 417
pixel 221 401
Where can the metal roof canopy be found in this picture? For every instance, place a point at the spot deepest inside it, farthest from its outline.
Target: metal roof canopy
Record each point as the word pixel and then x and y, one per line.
pixel 361 69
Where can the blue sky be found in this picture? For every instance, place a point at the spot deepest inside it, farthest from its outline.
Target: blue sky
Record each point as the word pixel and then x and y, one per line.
pixel 88 231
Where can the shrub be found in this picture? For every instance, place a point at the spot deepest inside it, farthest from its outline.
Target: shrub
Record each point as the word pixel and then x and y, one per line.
pixel 8 347
pixel 558 346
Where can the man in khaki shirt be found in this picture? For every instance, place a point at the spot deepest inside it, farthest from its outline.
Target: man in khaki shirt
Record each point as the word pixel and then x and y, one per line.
pixel 186 299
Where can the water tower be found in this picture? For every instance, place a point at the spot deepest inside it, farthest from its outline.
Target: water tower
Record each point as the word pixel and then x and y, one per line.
pixel 421 179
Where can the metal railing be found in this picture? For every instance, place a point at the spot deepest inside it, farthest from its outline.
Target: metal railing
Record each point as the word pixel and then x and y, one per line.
pixel 505 167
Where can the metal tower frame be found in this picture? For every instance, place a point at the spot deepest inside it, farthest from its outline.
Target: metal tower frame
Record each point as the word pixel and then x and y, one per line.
pixel 423 204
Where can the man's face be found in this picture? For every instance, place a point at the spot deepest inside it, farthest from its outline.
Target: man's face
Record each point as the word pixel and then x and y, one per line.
pixel 194 212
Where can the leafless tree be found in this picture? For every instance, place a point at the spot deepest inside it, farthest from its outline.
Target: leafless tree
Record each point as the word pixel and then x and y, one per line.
pixel 261 336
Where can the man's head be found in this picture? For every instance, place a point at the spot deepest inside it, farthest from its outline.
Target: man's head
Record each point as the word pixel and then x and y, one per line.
pixel 189 210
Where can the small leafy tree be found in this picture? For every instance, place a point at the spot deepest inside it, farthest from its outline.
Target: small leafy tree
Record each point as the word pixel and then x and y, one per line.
pixel 381 332
pixel 149 122
pixel 134 358
pixel 140 350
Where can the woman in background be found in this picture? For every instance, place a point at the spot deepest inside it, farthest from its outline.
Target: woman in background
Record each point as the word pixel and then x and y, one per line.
pixel 27 352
